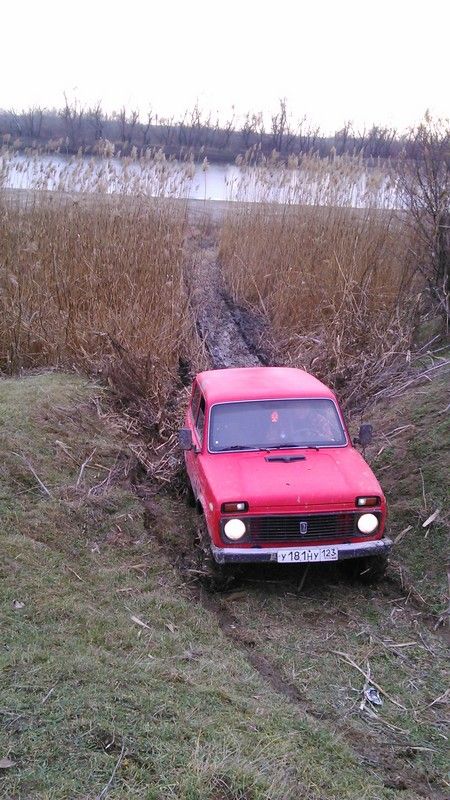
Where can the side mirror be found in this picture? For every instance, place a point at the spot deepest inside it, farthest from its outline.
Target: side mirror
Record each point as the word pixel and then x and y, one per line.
pixel 185 439
pixel 365 435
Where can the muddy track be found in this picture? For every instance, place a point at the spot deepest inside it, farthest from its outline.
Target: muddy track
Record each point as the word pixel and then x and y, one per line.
pixel 231 336
pixel 233 339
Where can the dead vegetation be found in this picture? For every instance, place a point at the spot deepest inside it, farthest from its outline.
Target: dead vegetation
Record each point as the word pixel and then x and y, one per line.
pixel 95 283
pixel 338 285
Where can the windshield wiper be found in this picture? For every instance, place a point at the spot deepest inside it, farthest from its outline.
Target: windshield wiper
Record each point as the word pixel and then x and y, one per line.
pixel 237 447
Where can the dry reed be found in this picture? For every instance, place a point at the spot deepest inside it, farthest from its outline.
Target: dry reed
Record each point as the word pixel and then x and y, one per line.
pixel 336 282
pixel 95 282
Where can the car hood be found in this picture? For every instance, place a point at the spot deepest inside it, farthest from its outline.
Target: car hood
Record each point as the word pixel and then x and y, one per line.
pixel 328 476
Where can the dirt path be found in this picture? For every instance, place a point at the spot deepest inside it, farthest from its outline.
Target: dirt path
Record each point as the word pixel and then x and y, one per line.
pixel 232 336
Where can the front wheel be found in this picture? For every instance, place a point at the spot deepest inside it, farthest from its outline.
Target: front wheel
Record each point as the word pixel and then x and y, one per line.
pixel 368 570
pixel 214 577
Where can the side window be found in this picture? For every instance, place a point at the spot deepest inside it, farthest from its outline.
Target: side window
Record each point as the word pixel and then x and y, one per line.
pixel 195 402
pixel 200 421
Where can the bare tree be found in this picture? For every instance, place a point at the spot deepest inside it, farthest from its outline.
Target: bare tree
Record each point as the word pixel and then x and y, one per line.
pixel 279 126
pixel 96 120
pixel 72 116
pixel 17 122
pixel 32 121
pixel 127 124
pixel 146 129
pixel 424 178
pixel 342 138
pixel 228 130
pixel 249 129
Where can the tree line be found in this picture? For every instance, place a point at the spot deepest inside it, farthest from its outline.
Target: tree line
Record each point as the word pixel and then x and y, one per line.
pixel 76 126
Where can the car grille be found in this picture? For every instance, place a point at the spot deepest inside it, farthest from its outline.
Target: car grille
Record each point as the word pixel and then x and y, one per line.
pixel 303 528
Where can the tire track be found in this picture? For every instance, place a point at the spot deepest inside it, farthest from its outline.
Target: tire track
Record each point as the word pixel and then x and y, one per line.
pixel 377 756
pixel 230 342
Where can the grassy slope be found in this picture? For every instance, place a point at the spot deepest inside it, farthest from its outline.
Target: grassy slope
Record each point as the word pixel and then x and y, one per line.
pixel 381 628
pixel 413 466
pixel 82 684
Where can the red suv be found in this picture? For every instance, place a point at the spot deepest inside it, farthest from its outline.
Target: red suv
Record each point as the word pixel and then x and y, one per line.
pixel 275 474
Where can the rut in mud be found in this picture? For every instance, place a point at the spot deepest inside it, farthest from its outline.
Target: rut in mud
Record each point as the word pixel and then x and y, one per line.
pixel 232 336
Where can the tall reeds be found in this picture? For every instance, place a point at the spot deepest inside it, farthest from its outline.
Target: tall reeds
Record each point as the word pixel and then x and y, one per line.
pixel 336 282
pixel 95 282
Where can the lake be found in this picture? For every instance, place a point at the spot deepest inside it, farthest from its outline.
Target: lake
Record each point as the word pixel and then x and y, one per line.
pixel 344 181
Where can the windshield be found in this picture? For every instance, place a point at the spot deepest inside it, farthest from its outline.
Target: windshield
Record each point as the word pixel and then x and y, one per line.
pixel 272 424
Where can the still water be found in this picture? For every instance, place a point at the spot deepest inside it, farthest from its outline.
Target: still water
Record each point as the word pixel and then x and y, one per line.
pixel 315 182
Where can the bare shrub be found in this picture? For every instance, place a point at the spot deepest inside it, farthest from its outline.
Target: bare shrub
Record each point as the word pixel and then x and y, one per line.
pixel 424 180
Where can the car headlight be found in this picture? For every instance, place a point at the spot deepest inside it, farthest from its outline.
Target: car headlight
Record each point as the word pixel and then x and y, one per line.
pixel 234 529
pixel 367 523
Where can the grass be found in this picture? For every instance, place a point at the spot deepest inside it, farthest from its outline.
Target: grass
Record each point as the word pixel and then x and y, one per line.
pixel 88 694
pixel 116 679
pixel 410 457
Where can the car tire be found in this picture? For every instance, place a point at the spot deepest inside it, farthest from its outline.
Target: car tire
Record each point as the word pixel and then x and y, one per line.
pixel 214 577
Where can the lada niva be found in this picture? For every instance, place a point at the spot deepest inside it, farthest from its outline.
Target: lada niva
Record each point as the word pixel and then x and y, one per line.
pixel 275 474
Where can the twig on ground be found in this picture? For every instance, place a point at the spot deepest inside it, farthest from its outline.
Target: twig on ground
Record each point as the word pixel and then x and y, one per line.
pixel 49 693
pixel 83 466
pixel 106 788
pixel 402 533
pixel 140 622
pixel 303 578
pixel 423 491
pixel 352 663
pixel 74 573
pixel 441 699
pixel 33 471
pixel 431 518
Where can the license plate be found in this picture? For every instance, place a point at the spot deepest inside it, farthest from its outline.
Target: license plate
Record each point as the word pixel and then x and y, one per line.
pixel 307 555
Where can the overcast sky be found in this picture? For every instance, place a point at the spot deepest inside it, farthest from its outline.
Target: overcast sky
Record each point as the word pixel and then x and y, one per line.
pixel 385 61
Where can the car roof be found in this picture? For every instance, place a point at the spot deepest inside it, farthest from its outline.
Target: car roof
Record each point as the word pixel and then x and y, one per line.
pixel 260 383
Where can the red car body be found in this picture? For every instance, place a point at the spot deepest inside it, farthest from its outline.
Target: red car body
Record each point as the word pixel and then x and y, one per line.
pixel 297 504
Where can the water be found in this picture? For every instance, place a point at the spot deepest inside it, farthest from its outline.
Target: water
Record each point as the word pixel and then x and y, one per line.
pixel 343 183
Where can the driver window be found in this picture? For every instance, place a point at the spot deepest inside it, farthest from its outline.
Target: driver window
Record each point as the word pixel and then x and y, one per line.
pixel 195 401
pixel 200 421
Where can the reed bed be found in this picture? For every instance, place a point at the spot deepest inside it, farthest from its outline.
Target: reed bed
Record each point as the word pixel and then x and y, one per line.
pixel 146 172
pixel 94 282
pixel 337 282
pixel 347 181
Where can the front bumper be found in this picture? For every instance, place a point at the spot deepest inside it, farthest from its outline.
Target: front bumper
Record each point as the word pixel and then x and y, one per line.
pixel 240 555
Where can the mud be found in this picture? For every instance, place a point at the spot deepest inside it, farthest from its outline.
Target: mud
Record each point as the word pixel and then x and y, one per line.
pixel 219 329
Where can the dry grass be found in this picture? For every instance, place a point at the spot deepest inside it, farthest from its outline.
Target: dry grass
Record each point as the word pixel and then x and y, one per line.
pixel 335 281
pixel 94 282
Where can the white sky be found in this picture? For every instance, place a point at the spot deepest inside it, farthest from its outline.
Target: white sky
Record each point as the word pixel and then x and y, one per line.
pixel 383 61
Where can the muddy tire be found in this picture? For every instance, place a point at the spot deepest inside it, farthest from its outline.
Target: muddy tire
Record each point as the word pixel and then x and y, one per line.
pixel 214 577
pixel 367 570
pixel 190 496
pixel 186 487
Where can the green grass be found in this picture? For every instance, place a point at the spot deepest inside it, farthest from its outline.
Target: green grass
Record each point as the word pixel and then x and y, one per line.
pixel 174 705
pixel 413 467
